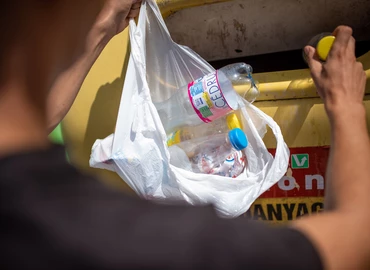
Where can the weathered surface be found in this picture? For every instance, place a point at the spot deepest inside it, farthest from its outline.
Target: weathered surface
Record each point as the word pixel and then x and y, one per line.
pixel 249 27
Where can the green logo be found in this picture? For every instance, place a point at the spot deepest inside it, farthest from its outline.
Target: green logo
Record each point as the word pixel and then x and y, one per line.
pixel 300 161
pixel 205 111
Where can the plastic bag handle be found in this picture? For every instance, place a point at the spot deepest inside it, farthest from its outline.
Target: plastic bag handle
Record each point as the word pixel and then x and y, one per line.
pixel 137 43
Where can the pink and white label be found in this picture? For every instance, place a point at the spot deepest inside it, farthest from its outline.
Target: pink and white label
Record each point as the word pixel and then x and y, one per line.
pixel 206 96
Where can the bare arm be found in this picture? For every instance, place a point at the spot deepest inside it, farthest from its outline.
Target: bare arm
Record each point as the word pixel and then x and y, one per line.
pixel 342 233
pixel 67 85
pixel 111 21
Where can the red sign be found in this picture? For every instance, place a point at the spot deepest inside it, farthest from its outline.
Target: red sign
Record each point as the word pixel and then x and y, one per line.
pixel 305 176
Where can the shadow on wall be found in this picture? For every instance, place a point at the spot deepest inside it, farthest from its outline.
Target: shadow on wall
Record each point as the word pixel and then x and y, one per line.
pixel 102 120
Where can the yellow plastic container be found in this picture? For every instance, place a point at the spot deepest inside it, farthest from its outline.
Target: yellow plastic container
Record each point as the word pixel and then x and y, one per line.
pixel 289 97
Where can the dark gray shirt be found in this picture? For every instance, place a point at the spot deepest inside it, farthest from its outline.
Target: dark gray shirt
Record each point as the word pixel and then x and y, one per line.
pixel 55 217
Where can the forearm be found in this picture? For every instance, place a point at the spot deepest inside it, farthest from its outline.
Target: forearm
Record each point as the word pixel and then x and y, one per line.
pixel 342 234
pixel 67 85
pixel 348 182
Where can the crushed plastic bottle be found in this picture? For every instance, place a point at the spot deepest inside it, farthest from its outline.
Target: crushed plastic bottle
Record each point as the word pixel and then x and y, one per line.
pixel 219 154
pixel 207 98
pixel 222 125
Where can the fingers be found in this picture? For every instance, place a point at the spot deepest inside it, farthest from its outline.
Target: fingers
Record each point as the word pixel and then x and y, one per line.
pixel 343 35
pixel 313 61
pixel 351 47
pixel 361 79
pixel 360 68
pixel 137 5
pixel 135 9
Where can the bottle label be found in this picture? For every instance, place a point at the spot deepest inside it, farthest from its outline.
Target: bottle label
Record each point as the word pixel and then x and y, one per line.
pixel 207 99
pixel 232 167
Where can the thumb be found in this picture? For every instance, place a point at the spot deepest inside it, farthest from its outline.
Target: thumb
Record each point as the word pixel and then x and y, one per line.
pixel 313 61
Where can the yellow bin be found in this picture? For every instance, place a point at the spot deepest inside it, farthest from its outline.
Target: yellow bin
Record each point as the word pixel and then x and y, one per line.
pixel 288 96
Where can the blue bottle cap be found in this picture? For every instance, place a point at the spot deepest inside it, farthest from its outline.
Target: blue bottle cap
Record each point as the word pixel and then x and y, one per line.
pixel 238 139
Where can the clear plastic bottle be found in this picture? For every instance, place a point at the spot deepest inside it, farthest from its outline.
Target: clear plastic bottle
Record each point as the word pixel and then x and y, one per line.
pixel 206 99
pixel 219 126
pixel 219 154
pixel 240 75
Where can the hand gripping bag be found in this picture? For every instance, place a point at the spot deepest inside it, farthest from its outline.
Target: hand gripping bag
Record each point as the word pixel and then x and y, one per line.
pixel 138 152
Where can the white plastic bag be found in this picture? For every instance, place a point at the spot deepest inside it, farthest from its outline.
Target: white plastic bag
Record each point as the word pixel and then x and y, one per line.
pixel 138 151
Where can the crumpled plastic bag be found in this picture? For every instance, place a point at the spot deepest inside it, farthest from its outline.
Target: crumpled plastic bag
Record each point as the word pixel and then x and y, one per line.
pixel 138 152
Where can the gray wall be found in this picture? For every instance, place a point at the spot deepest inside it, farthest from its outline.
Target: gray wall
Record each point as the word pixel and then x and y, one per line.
pixel 251 27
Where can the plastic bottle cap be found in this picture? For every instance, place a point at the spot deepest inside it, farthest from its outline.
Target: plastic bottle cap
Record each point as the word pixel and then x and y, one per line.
pixel 238 139
pixel 324 46
pixel 233 121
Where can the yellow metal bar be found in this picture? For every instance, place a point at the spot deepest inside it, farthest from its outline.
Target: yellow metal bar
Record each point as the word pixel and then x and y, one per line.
pixel 168 7
pixel 298 86
pixel 295 84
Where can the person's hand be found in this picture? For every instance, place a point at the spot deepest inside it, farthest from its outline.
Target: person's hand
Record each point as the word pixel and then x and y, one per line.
pixel 113 18
pixel 341 80
pixel 116 14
